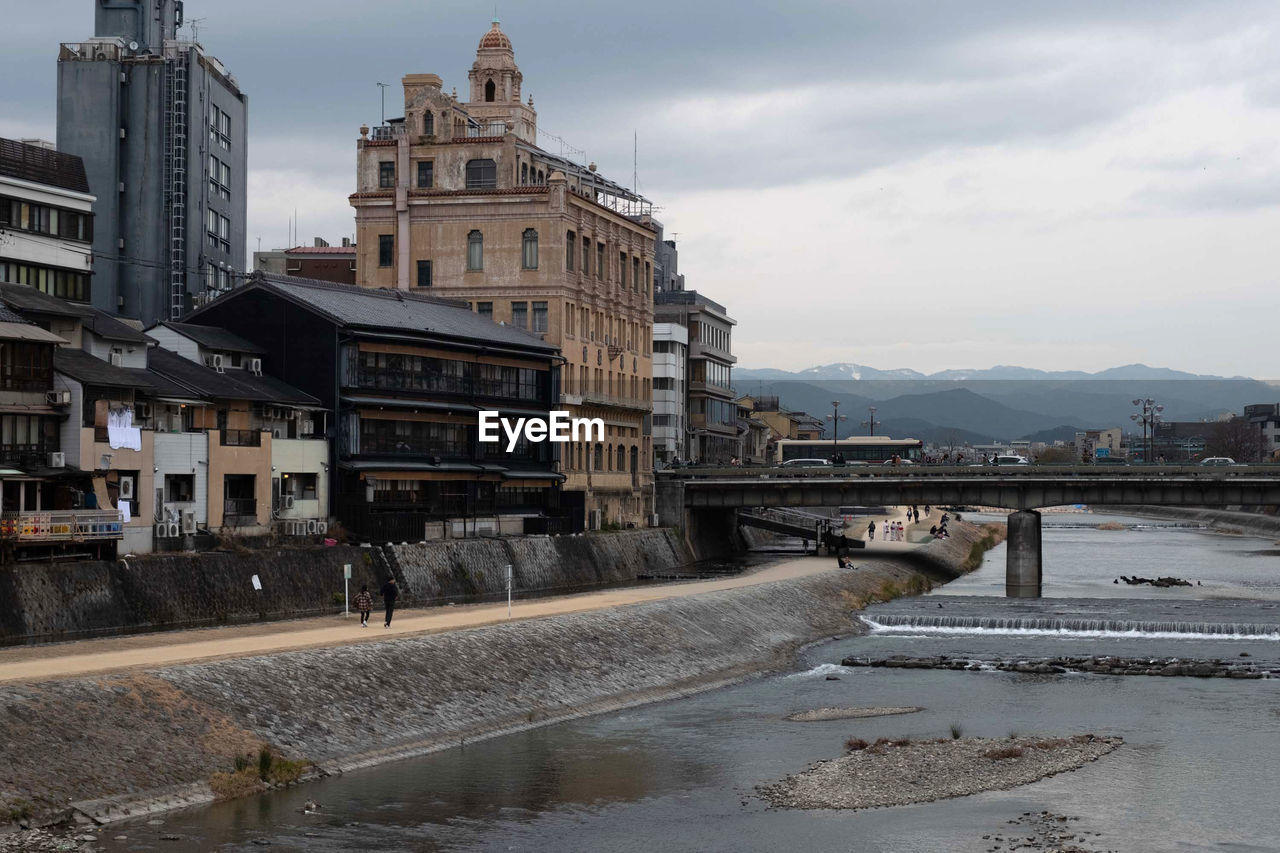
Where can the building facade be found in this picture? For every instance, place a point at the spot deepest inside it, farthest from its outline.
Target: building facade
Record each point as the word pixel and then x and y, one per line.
pixel 46 220
pixel 319 261
pixel 712 413
pixel 670 393
pixel 162 128
pixel 457 199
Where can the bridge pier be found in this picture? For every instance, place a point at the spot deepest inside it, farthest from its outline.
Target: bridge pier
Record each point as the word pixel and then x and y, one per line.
pixel 1023 557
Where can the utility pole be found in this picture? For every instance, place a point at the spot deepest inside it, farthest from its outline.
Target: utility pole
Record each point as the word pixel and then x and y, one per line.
pixel 835 417
pixel 383 87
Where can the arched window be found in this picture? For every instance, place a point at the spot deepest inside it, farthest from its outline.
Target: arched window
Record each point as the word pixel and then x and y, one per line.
pixel 489 91
pixel 542 177
pixel 428 123
pixel 524 173
pixel 622 458
pixel 635 465
pixel 475 251
pixel 482 174
pixel 608 457
pixel 599 458
pixel 529 251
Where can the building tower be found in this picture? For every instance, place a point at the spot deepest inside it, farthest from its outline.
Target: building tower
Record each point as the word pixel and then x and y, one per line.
pixel 161 127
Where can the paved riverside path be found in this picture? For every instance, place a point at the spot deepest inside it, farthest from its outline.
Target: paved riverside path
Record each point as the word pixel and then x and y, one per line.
pixel 90 657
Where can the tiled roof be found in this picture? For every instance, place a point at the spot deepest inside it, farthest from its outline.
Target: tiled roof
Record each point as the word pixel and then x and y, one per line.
pixel 42 166
pixel 8 316
pixel 104 325
pixel 21 330
pixel 235 384
pixel 23 297
pixel 211 337
pixel 495 38
pixel 81 366
pixel 390 310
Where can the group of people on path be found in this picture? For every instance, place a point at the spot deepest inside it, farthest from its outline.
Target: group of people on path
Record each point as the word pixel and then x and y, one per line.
pixel 894 531
pixel 364 602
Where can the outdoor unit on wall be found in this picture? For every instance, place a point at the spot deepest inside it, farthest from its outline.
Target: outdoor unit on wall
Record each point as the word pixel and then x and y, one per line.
pixel 188 521
pixel 57 459
pixel 162 530
pixel 57 398
pixel 144 410
pixel 322 527
pixel 312 526
pixel 286 501
pixel 307 428
pixel 255 366
pixel 215 361
pixel 175 529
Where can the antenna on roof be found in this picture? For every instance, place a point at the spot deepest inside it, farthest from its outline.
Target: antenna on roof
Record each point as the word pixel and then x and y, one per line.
pixel 635 148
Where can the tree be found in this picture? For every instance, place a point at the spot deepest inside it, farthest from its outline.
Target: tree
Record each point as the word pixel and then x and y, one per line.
pixel 1056 456
pixel 1237 439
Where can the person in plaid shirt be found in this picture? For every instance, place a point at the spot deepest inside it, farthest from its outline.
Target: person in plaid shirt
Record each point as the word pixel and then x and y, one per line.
pixel 364 603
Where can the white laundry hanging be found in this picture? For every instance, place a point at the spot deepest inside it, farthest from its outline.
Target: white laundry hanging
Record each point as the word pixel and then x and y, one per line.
pixel 121 433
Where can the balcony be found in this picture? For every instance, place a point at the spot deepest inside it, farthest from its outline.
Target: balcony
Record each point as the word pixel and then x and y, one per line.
pixel 239 512
pixel 241 438
pixel 76 525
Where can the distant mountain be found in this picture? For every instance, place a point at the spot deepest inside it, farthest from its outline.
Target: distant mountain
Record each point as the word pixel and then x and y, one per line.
pixel 849 370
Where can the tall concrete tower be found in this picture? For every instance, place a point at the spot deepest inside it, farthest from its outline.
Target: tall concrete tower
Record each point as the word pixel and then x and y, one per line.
pixel 162 129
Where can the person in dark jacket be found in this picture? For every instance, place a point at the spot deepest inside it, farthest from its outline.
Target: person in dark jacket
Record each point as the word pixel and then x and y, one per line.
pixel 389 594
pixel 364 603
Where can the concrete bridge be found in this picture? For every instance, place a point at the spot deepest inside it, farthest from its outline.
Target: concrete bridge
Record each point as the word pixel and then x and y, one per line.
pixel 698 499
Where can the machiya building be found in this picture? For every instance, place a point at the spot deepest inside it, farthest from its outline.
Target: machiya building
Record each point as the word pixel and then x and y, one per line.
pixel 457 199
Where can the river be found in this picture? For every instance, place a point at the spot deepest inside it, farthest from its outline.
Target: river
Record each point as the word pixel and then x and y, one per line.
pixel 1198 771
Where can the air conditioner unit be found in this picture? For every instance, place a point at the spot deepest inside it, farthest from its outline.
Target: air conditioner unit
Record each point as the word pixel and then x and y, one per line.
pixel 312 526
pixel 255 366
pixel 297 528
pixel 115 359
pixel 57 459
pixel 144 410
pixel 215 361
pixel 57 398
pixel 126 488
pixel 654 521
pixel 175 529
pixel 322 527
pixel 286 501
pixel 162 530
pixel 188 521
pixel 307 428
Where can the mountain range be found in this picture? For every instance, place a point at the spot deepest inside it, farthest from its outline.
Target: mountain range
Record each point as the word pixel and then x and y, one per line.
pixel 849 370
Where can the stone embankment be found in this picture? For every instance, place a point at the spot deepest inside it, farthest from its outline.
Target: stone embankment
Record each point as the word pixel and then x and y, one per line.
pixel 1101 665
pixel 1223 520
pixel 63 601
pixel 121 746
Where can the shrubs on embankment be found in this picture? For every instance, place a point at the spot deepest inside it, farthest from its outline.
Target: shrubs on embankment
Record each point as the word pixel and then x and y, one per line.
pixel 255 774
pixel 991 536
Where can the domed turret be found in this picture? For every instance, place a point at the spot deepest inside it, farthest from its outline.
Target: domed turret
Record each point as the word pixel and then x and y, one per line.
pixel 495 38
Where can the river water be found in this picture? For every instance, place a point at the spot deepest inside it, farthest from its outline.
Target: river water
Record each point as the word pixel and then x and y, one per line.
pixel 1199 771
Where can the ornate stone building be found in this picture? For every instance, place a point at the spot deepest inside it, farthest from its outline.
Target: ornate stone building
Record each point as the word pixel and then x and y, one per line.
pixel 457 199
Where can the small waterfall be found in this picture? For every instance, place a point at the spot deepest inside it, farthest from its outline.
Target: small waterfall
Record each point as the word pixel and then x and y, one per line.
pixel 902 623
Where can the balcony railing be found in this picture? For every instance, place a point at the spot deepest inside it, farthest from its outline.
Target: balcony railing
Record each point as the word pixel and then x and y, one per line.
pixel 76 525
pixel 239 512
pixel 26 455
pixel 241 438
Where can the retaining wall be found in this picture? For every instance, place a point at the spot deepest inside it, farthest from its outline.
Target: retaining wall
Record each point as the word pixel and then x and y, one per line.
pixel 128 743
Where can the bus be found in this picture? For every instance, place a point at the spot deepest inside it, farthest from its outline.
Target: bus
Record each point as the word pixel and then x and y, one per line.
pixel 873 449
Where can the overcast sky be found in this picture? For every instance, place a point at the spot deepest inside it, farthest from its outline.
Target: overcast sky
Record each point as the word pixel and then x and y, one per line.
pixel 1060 185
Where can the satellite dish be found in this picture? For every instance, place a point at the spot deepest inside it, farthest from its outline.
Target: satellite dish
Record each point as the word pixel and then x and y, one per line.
pixel 133 45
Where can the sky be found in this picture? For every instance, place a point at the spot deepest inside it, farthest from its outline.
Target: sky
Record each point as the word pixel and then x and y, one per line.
pixel 896 183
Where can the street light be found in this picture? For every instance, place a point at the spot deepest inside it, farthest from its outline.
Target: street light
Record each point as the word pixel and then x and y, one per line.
pixel 1149 415
pixel 835 417
pixel 872 423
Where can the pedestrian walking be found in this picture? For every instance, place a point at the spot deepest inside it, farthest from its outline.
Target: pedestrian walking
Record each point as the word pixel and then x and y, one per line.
pixel 885 532
pixel 364 603
pixel 390 592
pixel 871 532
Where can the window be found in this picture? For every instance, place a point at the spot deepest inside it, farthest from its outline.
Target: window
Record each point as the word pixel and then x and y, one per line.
pixel 424 273
pixel 387 174
pixel 664 383
pixel 648 276
pixel 520 315
pixel 482 174
pixel 635 274
pixel 179 488
pixel 428 126
pixel 622 458
pixel 539 316
pixel 26 367
pixel 600 261
pixel 219 128
pixel 219 179
pixel 63 284
pixel 586 255
pixel 386 249
pixel 426 173
pixel 570 246
pixel 529 250
pixel 524 173
pixel 301 486
pixel 219 230
pixel 475 251
pixel 489 91
pixel 42 219
pixel 622 270
pixel 485 310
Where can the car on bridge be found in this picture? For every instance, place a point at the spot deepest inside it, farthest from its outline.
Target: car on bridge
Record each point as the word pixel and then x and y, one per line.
pixel 1218 460
pixel 807 463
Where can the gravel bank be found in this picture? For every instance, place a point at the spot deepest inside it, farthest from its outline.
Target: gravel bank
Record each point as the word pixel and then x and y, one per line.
pixel 1099 665
pixel 819 715
pixel 922 771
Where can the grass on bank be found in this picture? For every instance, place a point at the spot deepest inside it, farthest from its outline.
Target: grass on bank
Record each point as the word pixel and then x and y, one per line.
pixel 992 535
pixel 254 774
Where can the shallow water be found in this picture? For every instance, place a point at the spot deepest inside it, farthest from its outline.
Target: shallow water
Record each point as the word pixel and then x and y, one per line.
pixel 1197 772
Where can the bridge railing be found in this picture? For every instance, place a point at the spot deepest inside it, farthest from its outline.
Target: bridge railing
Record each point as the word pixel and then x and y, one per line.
pixel 1266 471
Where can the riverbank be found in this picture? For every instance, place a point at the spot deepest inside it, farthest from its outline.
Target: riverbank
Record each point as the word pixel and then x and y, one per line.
pixel 135 743
pixel 1221 520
